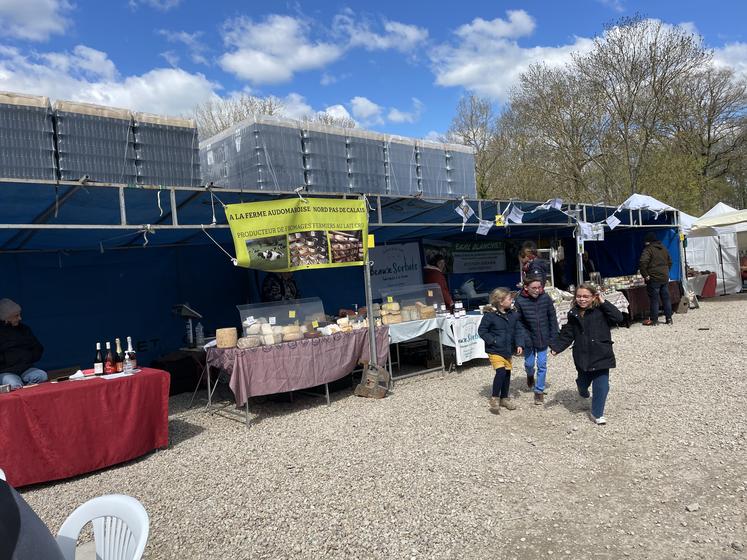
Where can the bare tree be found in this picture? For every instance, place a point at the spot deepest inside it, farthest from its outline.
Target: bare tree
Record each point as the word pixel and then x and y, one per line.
pixel 331 120
pixel 634 66
pixel 475 125
pixel 217 114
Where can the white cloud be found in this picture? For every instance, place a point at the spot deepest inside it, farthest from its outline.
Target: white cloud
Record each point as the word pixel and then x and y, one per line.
pixel 193 42
pixel 397 35
pixel 367 111
pixel 328 79
pixel 295 106
pixel 338 112
pixel 273 50
pixel 161 5
pixel 171 57
pixel 434 136
pixel 34 20
pixel 487 58
pixel 616 5
pixel 733 55
pixel 397 116
pixel 88 75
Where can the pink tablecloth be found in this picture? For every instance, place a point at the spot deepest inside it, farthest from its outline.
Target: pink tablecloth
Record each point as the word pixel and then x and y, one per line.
pixel 296 365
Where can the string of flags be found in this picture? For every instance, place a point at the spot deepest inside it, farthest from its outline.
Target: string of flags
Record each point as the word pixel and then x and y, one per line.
pixel 589 231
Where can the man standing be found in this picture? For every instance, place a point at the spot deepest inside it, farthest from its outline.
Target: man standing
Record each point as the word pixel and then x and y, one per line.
pixel 19 348
pixel 279 287
pixel 654 266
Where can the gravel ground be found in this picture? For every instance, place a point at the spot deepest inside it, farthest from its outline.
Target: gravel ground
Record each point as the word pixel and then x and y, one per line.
pixel 429 473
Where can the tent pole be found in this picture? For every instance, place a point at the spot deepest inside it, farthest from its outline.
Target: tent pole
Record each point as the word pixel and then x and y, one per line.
pixel 369 309
pixel 721 262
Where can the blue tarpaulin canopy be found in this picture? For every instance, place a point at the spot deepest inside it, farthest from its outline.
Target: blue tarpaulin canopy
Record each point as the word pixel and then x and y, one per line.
pixel 89 262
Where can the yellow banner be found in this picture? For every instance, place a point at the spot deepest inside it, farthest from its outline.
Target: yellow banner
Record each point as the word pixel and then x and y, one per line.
pixel 294 234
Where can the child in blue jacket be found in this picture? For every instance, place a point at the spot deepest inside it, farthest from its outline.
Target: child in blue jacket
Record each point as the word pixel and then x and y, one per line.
pixel 504 336
pixel 538 317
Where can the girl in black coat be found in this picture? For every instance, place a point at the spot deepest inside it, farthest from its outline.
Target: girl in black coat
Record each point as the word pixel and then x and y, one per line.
pixel 503 334
pixel 588 329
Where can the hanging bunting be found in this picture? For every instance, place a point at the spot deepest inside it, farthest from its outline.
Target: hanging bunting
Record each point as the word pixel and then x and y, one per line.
pixel 613 221
pixel 484 227
pixel 465 211
pixel 516 215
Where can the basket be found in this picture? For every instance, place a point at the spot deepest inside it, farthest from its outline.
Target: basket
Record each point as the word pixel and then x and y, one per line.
pixel 226 338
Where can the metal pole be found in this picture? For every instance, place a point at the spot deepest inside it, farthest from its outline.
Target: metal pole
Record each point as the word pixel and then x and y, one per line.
pixel 369 309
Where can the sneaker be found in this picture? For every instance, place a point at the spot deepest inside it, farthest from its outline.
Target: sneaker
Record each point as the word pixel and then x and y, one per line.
pixel 539 398
pixel 584 395
pixel 508 404
pixel 601 421
pixel 669 321
pixel 650 323
pixel 530 381
pixel 495 406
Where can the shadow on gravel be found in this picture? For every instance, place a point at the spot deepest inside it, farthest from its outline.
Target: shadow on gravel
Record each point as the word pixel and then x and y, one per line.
pixel 181 430
pixel 570 399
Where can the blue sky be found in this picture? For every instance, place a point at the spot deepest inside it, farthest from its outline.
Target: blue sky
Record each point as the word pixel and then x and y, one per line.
pixel 393 66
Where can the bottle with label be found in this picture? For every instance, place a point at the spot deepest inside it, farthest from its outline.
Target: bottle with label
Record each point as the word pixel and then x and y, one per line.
pixel 118 356
pixel 98 361
pixel 130 354
pixel 199 335
pixel 109 364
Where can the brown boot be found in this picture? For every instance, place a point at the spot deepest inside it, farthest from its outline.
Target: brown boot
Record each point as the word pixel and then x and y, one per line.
pixel 495 407
pixel 539 398
pixel 508 404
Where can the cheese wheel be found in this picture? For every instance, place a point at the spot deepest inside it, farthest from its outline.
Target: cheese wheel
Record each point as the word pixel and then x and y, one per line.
pixel 253 329
pixel 249 342
pixel 292 336
pixel 266 329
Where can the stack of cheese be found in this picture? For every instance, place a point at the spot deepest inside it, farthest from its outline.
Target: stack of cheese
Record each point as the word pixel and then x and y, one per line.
pixel 425 311
pixel 346 247
pixel 390 313
pixel 307 248
pixel 344 324
pixel 410 313
pixel 291 333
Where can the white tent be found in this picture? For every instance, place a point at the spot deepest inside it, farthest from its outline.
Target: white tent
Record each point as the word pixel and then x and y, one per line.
pixel 713 244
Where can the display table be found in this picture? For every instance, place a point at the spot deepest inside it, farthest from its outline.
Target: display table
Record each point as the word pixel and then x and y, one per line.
pixel 58 430
pixel 639 305
pixel 292 366
pixel 617 299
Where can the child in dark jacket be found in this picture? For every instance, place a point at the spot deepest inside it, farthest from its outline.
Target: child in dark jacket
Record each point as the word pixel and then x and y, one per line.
pixel 504 336
pixel 588 329
pixel 538 317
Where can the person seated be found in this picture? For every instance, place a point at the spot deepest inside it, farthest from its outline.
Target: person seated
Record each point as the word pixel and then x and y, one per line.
pixel 19 349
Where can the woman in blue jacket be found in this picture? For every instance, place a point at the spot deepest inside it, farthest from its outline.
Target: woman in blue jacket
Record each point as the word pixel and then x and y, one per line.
pixel 504 336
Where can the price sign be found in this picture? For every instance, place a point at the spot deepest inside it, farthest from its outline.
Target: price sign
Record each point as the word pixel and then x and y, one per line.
pixel 292 313
pixel 315 324
pixel 389 299
pixel 272 320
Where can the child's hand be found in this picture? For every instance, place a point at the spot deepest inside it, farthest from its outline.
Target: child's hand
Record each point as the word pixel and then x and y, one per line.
pixel 553 352
pixel 600 298
pixel 519 350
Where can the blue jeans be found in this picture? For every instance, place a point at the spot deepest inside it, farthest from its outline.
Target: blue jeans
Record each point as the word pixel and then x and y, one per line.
pixel 31 375
pixel 655 291
pixel 532 355
pixel 600 386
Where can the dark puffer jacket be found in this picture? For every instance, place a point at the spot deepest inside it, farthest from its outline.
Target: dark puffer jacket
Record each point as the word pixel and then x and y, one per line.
pixel 19 349
pixel 655 262
pixel 538 318
pixel 539 268
pixel 502 332
pixel 590 336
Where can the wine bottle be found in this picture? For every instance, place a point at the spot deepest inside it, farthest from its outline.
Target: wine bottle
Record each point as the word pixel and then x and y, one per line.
pixel 131 353
pixel 98 361
pixel 118 357
pixel 130 362
pixel 109 364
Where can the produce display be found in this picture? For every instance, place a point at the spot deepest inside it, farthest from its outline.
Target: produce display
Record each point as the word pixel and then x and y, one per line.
pixel 624 282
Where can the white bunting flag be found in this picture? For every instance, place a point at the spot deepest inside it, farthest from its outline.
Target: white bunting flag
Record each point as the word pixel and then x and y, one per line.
pixel 516 215
pixel 484 227
pixel 613 221
pixel 465 211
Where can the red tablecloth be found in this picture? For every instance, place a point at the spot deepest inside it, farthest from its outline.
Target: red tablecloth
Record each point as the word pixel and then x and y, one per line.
pixel 57 430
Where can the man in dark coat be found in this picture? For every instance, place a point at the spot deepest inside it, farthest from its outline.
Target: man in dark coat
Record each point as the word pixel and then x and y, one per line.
pixel 19 349
pixel 654 266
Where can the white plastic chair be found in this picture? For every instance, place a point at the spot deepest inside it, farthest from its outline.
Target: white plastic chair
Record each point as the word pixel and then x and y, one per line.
pixel 120 528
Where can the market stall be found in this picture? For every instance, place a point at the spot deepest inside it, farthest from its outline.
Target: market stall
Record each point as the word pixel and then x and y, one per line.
pixel 59 430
